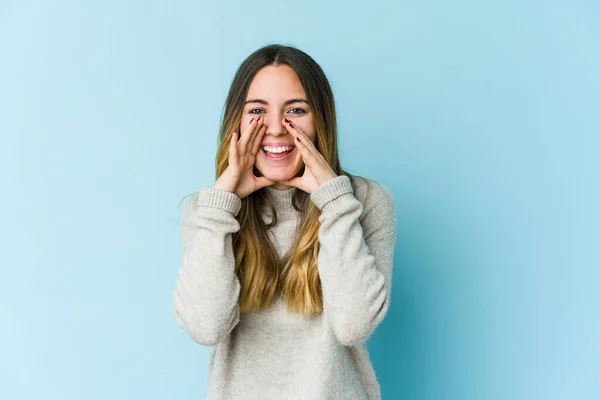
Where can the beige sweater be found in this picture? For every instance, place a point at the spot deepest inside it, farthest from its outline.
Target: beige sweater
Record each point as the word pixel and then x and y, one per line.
pixel 276 354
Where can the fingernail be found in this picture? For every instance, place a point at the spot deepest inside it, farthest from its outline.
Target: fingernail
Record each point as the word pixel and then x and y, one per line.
pixel 258 118
pixel 289 122
pixel 251 121
pixel 298 139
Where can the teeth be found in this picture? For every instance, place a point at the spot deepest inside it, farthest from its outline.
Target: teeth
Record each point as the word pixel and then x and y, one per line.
pixel 277 149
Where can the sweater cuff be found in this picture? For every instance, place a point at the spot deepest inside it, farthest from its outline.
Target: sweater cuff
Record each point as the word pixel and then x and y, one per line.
pixel 219 198
pixel 331 190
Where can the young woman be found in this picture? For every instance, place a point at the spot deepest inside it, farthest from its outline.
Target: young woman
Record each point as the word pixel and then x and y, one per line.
pixel 286 260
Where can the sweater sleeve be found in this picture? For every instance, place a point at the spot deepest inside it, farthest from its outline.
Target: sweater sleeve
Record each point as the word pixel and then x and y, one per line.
pixel 205 301
pixel 355 261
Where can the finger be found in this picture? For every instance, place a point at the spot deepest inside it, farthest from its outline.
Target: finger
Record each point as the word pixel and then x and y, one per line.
pixel 302 142
pixel 292 182
pixel 262 182
pixel 293 128
pixel 299 134
pixel 252 139
pixel 307 156
pixel 246 132
pixel 233 154
pixel 249 133
pixel 258 140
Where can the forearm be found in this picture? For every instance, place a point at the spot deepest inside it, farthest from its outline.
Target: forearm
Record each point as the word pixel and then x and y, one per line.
pixel 355 273
pixel 206 294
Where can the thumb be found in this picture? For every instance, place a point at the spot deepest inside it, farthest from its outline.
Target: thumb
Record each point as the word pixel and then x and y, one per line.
pixel 263 181
pixel 292 182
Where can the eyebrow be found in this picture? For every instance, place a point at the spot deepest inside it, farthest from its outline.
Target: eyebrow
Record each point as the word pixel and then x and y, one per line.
pixel 287 102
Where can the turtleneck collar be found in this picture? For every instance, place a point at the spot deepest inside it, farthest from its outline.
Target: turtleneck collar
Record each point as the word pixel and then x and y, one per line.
pixel 282 199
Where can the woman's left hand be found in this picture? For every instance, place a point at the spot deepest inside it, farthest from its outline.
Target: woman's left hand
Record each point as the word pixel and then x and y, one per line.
pixel 317 171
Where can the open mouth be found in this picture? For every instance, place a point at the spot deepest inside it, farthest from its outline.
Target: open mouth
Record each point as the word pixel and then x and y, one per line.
pixel 279 153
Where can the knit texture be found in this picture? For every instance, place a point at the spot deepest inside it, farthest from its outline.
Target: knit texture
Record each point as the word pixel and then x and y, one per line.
pixel 277 354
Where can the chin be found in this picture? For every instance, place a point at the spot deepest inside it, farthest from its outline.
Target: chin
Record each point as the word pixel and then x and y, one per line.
pixel 278 175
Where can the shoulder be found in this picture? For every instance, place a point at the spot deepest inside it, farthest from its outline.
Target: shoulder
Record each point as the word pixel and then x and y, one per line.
pixel 378 202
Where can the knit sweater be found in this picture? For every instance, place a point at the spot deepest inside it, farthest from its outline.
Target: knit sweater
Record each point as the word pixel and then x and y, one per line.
pixel 274 353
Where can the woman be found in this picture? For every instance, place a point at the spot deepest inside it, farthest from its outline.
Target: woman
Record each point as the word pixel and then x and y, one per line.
pixel 287 259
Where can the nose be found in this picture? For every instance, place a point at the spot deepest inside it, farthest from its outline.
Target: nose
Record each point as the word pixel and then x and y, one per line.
pixel 274 125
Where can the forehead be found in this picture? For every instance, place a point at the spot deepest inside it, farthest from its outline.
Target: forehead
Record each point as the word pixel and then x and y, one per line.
pixel 276 83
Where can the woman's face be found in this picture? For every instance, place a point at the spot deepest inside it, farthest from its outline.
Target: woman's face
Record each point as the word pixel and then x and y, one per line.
pixel 276 93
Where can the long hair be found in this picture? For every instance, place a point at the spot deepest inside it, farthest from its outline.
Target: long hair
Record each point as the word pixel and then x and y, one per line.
pixel 261 274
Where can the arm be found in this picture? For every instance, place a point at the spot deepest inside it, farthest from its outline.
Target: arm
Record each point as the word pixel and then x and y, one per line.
pixel 205 301
pixel 355 270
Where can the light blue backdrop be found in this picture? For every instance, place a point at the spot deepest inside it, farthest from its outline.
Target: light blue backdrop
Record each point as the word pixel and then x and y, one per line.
pixel 482 118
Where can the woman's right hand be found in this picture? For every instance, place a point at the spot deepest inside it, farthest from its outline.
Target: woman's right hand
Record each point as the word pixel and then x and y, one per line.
pixel 239 177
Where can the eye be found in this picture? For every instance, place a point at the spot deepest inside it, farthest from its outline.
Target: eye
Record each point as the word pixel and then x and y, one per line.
pixel 299 111
pixel 254 109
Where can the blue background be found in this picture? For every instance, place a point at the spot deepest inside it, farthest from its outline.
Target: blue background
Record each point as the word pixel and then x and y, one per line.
pixel 482 118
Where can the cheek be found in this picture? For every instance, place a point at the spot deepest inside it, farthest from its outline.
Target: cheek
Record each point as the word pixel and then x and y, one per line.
pixel 309 130
pixel 246 118
pixel 312 136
